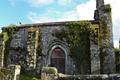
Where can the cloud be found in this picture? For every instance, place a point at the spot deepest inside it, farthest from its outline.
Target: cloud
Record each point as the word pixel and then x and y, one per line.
pixel 64 16
pixel 36 18
pixel 39 2
pixel 64 2
pixel 84 11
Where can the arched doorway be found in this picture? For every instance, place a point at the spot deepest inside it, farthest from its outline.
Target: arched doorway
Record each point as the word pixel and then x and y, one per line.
pixel 58 59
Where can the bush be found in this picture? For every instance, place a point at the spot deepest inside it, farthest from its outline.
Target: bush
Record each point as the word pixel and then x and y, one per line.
pixel 117 53
pixel 28 77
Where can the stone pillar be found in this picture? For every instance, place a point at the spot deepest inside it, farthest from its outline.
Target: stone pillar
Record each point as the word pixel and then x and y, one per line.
pixel 106 52
pixel 94 50
pixel 15 69
pixel 95 59
pixel 1 51
pixel 99 3
pixel 31 48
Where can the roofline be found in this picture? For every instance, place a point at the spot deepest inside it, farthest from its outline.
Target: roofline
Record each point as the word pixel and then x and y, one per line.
pixel 62 23
pixel 53 23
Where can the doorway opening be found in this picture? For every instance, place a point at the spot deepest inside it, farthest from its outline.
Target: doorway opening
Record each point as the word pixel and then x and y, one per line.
pixel 58 59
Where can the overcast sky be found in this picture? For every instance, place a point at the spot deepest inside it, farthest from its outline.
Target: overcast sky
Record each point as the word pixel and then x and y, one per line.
pixel 38 11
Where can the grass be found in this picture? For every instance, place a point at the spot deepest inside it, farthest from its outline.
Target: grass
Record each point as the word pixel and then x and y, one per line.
pixel 28 77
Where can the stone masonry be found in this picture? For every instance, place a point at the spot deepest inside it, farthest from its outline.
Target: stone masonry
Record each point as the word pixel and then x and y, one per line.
pixel 1 50
pixel 106 49
pixel 34 46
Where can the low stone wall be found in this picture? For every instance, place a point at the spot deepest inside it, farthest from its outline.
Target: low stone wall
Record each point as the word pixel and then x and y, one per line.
pixel 50 73
pixel 5 74
pixel 15 69
pixel 90 77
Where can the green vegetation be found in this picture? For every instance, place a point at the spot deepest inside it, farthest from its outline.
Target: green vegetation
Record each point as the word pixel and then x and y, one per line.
pixel 3 73
pixel 108 8
pixel 8 32
pixel 117 53
pixel 78 38
pixel 79 41
pixel 77 31
pixel 28 77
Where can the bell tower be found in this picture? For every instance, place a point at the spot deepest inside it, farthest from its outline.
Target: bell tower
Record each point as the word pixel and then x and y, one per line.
pixel 107 56
pixel 99 3
pixel 99 7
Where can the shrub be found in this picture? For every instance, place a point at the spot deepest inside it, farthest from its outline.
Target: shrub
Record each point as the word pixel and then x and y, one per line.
pixel 28 77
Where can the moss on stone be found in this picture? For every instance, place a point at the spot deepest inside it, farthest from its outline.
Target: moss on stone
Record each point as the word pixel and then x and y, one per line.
pixel 107 8
pixel 4 74
pixel 77 36
pixel 8 32
pixel 49 70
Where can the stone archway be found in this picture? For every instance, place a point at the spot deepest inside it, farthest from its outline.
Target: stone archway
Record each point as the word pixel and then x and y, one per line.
pixel 58 59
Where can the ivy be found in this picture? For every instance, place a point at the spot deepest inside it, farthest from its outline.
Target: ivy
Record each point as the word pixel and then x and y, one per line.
pixel 77 35
pixel 8 32
pixel 77 31
pixel 107 8
pixel 117 53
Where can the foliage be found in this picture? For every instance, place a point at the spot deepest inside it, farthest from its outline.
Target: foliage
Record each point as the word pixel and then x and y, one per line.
pixel 108 8
pixel 3 73
pixel 117 53
pixel 28 77
pixel 77 31
pixel 78 39
pixel 8 32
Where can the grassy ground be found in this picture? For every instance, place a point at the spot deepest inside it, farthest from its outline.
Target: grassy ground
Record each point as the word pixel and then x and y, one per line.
pixel 28 77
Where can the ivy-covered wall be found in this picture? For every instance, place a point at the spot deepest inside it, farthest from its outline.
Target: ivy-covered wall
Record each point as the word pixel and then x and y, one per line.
pixel 1 50
pixel 8 32
pixel 30 46
pixel 77 35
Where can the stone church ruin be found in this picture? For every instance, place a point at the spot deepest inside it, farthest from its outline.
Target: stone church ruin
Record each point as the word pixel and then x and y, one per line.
pixel 72 47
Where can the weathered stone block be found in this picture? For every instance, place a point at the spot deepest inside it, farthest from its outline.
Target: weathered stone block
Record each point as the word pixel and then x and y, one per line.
pixel 15 69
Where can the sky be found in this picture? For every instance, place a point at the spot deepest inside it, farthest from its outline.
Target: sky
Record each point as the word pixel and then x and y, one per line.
pixel 39 11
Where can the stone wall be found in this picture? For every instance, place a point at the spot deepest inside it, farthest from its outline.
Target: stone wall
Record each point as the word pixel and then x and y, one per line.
pixel 10 73
pixel 15 69
pixel 51 73
pixel 32 49
pixel 94 50
pixel 32 45
pixel 49 41
pixel 18 49
pixel 1 50
pixel 107 56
